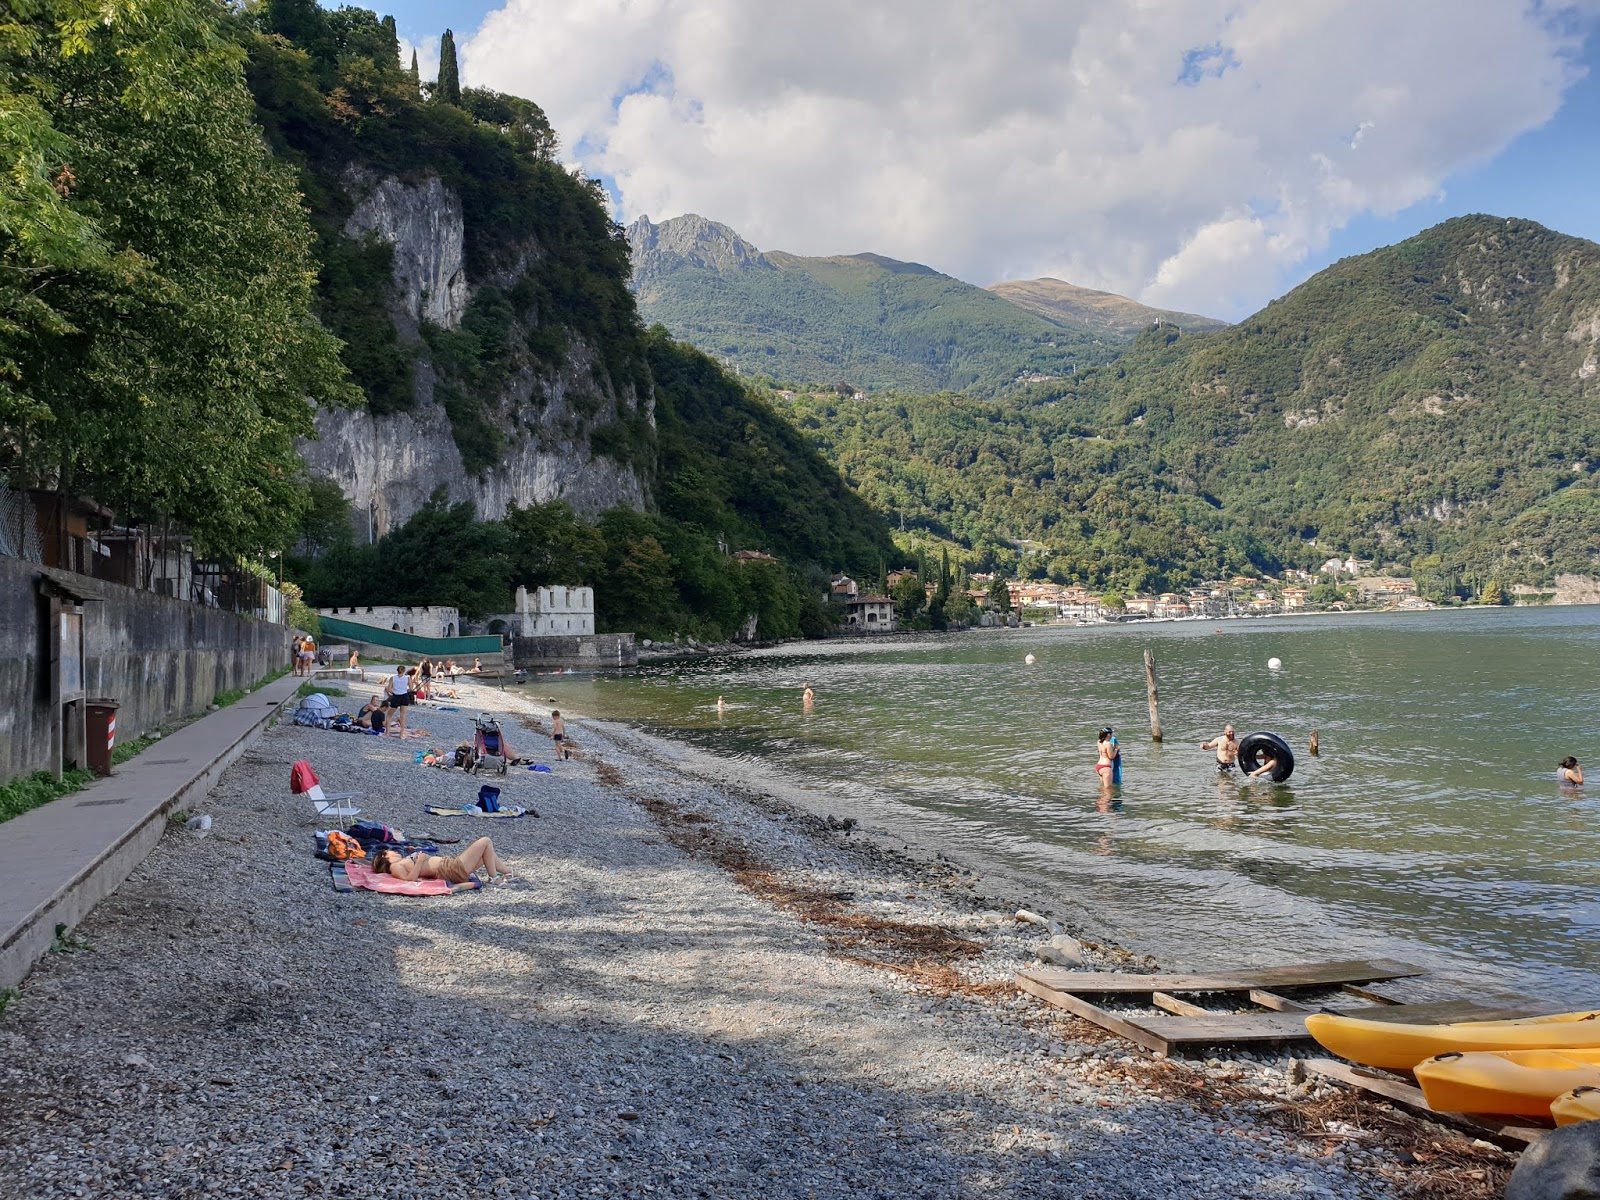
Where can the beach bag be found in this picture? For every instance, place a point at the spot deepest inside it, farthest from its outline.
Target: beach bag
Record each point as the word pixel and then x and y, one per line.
pixel 334 846
pixel 369 832
pixel 489 798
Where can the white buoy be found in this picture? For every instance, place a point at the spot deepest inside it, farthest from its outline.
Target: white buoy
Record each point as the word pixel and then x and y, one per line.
pixel 1030 660
pixel 1274 663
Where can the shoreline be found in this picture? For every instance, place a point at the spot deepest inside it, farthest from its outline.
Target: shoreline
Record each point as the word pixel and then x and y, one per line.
pixel 694 987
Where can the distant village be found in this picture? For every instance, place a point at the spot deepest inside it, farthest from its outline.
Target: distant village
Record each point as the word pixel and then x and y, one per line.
pixel 1339 584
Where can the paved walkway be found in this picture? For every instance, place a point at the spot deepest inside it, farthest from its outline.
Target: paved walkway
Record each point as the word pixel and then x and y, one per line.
pixel 61 859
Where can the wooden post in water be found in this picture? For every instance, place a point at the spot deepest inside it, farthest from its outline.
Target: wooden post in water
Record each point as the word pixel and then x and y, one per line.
pixel 1150 692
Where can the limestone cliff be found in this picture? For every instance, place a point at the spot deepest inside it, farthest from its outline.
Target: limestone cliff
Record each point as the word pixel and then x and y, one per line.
pixel 388 464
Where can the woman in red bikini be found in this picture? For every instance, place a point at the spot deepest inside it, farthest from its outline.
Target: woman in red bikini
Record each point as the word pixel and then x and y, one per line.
pixel 1106 767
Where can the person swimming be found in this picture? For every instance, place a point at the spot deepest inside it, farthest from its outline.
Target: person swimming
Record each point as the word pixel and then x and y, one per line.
pixel 1569 773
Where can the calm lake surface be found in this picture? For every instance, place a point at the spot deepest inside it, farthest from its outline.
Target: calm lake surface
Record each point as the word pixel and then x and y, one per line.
pixel 1430 828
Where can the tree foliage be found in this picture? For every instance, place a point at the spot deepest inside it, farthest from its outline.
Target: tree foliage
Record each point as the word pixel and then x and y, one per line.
pixel 449 89
pixel 157 349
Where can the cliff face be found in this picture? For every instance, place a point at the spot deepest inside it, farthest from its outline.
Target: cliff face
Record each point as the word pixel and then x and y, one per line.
pixel 389 464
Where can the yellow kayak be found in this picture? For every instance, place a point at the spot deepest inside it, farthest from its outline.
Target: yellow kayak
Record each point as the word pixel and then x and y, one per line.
pixel 1580 1104
pixel 1401 1047
pixel 1519 1082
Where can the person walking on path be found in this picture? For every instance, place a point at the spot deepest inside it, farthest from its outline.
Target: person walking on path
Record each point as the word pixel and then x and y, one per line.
pixel 1227 748
pixel 399 692
pixel 558 733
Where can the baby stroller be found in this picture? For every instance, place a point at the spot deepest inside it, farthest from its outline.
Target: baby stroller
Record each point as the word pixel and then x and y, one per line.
pixel 490 745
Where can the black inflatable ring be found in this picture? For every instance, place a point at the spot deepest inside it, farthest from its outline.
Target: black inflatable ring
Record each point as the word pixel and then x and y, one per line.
pixel 1256 748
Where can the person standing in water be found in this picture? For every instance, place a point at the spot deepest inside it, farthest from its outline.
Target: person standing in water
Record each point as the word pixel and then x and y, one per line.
pixel 1110 755
pixel 722 706
pixel 808 698
pixel 1569 773
pixel 1227 748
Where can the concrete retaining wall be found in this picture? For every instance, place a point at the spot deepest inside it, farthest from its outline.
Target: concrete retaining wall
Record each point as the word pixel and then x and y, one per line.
pixel 163 658
pixel 591 651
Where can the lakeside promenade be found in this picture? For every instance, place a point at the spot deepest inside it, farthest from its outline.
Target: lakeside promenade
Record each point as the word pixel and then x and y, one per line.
pixel 687 991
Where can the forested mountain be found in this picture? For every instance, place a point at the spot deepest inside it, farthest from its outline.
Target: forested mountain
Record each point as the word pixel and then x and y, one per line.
pixel 481 290
pixel 1106 312
pixel 1434 403
pixel 252 269
pixel 860 319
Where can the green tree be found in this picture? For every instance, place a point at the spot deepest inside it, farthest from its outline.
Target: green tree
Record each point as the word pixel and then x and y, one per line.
pixel 909 599
pixel 1113 601
pixel 416 73
pixel 1492 593
pixel 999 595
pixel 449 89
pixel 326 522
pixel 157 348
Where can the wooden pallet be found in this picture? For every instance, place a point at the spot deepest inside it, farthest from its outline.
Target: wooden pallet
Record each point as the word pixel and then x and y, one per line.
pixel 1278 1018
pixel 1512 1132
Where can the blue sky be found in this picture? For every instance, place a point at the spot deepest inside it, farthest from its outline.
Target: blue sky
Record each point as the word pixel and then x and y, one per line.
pixel 1551 175
pixel 1261 89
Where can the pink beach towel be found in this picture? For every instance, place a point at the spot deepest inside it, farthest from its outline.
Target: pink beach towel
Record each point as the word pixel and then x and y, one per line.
pixel 365 877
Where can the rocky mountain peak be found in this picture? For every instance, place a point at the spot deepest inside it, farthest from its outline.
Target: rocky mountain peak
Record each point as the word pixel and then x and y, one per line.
pixel 690 240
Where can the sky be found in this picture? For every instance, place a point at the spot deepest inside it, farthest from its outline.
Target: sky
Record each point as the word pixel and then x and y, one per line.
pixel 1204 155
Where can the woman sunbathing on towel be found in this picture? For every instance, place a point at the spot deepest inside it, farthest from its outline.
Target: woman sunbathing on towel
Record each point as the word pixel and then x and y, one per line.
pixel 454 868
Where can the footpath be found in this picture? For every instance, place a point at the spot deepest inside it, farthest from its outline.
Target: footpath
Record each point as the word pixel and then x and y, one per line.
pixel 61 859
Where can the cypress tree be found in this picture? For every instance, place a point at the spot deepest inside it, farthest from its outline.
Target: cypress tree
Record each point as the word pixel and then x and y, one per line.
pixel 416 76
pixel 393 35
pixel 449 89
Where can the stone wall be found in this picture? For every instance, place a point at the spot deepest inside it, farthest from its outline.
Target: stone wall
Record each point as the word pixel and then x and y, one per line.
pixel 163 658
pixel 592 651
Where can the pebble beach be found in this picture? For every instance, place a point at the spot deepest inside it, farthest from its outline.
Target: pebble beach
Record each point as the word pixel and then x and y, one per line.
pixel 690 988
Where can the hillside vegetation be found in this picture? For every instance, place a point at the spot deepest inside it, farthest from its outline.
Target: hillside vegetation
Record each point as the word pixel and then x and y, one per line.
pixel 548 269
pixel 1432 404
pixel 863 320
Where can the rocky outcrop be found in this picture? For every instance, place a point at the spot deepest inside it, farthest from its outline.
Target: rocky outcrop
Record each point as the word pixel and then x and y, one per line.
pixel 388 465
pixel 424 224
pixel 1576 589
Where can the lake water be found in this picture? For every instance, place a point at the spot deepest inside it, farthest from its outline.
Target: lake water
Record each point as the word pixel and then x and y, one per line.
pixel 1430 828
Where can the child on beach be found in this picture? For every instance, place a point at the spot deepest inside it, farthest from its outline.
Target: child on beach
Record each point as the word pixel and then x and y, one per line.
pixel 558 733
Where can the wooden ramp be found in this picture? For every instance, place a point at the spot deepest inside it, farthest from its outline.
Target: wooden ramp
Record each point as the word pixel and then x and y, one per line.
pixel 1274 1017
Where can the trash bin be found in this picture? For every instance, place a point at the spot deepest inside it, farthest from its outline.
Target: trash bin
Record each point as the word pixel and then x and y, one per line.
pixel 102 734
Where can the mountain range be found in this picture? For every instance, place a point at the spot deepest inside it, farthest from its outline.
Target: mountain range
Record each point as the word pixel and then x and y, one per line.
pixel 1434 404
pixel 870 322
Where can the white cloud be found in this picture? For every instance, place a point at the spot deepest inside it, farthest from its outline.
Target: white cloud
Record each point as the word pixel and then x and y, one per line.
pixel 1183 151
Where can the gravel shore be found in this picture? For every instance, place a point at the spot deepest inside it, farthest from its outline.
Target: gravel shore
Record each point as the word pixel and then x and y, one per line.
pixel 688 990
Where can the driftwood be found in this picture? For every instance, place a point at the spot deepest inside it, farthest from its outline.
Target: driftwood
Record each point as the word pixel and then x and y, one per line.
pixel 1033 918
pixel 1150 694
